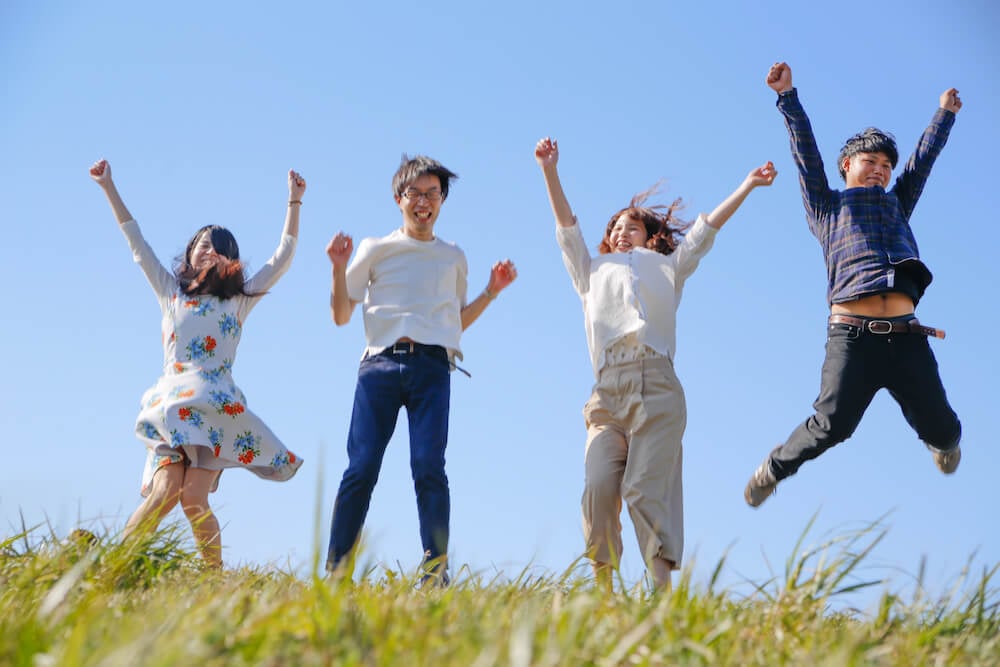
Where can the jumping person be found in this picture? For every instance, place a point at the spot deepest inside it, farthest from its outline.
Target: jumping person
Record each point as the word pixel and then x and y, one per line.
pixel 876 279
pixel 636 414
pixel 195 421
pixel 413 286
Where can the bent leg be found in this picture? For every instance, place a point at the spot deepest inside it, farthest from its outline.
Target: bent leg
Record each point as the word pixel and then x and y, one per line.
pixel 916 385
pixel 851 375
pixel 194 501
pixel 653 486
pixel 163 497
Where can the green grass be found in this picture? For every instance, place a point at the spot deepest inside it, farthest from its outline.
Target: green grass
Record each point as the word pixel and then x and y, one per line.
pixel 76 602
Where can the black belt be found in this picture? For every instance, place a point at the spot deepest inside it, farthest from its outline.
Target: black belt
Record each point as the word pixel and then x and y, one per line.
pixel 883 327
pixel 411 347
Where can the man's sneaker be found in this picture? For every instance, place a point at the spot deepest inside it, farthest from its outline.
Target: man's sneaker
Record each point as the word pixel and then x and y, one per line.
pixel 761 485
pixel 947 462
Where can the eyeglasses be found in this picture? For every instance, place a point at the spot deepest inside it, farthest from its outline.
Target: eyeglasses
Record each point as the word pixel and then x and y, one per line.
pixel 415 195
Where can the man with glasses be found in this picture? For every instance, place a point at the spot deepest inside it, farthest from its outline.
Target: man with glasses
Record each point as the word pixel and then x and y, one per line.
pixel 412 285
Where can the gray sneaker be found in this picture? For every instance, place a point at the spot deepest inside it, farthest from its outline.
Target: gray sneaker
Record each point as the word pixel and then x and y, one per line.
pixel 947 462
pixel 761 485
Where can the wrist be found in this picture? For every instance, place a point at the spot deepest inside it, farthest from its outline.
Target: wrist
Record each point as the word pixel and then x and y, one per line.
pixel 489 294
pixel 294 201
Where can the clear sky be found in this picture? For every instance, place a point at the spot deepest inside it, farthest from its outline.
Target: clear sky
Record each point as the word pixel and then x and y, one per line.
pixel 202 108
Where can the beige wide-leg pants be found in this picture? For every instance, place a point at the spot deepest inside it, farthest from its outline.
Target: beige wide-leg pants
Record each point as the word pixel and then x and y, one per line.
pixel 635 421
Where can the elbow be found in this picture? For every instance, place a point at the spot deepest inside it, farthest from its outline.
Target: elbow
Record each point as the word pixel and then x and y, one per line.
pixel 341 320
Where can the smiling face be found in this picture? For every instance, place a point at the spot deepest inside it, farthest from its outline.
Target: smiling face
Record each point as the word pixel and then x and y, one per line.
pixel 420 204
pixel 202 250
pixel 865 170
pixel 627 234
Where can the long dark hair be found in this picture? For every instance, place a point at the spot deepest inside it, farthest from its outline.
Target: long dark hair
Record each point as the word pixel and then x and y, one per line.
pixel 223 274
pixel 663 227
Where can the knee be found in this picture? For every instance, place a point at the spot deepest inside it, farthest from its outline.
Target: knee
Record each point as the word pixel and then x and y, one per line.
pixel 834 428
pixel 427 466
pixel 194 504
pixel 602 487
pixel 363 470
pixel 166 490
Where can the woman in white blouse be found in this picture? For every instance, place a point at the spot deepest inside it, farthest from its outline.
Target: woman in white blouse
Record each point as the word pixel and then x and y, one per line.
pixel 636 414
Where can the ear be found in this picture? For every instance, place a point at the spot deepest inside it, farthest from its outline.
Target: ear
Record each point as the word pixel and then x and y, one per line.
pixel 846 165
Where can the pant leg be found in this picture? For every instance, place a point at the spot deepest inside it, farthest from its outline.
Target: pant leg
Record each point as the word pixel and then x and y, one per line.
pixel 916 385
pixel 604 467
pixel 852 374
pixel 653 483
pixel 427 396
pixel 377 399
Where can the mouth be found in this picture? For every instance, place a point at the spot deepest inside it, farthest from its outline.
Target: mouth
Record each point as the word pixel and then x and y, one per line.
pixel 623 246
pixel 422 216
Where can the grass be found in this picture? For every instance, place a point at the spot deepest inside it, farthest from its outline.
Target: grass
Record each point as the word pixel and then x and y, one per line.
pixel 80 601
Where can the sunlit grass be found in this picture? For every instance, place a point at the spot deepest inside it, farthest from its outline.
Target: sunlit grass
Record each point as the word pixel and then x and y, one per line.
pixel 81 601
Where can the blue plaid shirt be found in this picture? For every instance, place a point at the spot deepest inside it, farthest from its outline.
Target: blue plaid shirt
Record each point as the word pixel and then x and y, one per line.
pixel 865 232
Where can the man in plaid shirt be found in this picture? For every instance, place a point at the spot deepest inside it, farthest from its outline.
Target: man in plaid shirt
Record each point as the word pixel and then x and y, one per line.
pixel 875 279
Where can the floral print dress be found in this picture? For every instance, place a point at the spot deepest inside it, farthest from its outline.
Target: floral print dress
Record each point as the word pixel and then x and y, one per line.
pixel 196 410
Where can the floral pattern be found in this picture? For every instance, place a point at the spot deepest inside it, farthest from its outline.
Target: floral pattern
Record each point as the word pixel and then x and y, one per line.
pixel 198 306
pixel 201 348
pixel 229 325
pixel 197 403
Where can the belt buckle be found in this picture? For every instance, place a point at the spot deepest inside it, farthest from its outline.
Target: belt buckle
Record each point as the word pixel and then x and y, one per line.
pixel 402 347
pixel 879 326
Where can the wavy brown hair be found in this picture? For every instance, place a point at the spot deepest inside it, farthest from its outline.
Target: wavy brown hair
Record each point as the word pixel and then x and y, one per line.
pixel 223 274
pixel 663 227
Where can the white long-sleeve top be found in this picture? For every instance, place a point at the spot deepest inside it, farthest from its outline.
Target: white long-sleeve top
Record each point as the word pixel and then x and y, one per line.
pixel 632 293
pixel 164 283
pixel 410 288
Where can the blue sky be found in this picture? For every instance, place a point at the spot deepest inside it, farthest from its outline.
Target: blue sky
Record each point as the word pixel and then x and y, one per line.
pixel 202 109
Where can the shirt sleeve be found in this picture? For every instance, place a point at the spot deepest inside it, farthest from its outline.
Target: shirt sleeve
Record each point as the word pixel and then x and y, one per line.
pixel 268 275
pixel 161 280
pixel 575 255
pixel 911 181
pixel 816 191
pixel 359 271
pixel 693 246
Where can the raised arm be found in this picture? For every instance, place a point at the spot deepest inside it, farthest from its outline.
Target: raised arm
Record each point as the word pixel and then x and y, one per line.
pixel 160 279
pixel 339 251
pixel 101 173
pixel 501 276
pixel 912 179
pixel 763 175
pixel 547 156
pixel 817 196
pixel 296 188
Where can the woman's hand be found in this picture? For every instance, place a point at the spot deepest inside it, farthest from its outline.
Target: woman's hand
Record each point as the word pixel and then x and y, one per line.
pixel 547 152
pixel 101 173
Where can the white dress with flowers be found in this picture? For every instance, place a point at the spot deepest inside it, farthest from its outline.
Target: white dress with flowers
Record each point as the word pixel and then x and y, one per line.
pixel 195 408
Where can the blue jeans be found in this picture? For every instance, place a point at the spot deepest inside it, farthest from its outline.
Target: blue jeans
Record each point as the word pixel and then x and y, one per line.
pixel 420 381
pixel 857 365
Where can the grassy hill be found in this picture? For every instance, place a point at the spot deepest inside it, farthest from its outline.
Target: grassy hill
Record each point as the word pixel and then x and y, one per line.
pixel 81 601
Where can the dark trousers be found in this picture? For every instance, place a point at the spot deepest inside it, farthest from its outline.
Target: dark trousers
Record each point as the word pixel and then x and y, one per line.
pixel 420 381
pixel 859 363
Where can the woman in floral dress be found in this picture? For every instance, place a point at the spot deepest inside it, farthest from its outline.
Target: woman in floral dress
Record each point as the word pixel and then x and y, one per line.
pixel 194 421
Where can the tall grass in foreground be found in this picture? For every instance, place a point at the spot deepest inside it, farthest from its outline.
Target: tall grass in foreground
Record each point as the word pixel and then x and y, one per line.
pixel 82 602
